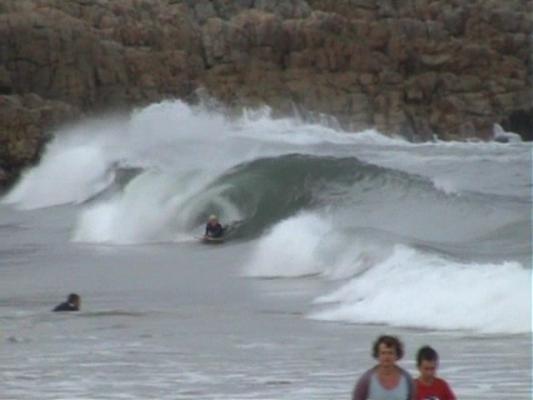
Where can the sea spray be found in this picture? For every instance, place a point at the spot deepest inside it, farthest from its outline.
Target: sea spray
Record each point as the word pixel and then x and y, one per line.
pixel 289 250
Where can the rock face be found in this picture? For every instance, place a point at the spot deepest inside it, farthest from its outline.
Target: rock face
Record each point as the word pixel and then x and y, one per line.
pixel 450 68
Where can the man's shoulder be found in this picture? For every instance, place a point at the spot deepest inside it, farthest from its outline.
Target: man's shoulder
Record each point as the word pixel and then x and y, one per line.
pixel 368 374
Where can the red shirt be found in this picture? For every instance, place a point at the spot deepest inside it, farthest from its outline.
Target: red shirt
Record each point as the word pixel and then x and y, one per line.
pixel 438 390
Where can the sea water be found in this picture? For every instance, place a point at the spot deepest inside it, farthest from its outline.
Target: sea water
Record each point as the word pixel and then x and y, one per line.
pixel 334 238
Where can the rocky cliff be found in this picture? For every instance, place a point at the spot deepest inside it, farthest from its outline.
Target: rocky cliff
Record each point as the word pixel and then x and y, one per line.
pixel 450 68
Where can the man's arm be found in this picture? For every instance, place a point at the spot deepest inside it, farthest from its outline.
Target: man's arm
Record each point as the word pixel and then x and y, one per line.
pixel 360 391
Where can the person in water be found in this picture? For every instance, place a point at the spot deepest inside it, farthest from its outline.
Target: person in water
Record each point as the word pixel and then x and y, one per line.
pixel 428 386
pixel 386 380
pixel 213 229
pixel 73 303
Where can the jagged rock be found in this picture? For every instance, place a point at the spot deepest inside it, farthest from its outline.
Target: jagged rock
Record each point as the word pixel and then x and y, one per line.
pixel 5 81
pixel 450 68
pixel 437 60
pixel 204 10
pixel 454 20
pixel 285 8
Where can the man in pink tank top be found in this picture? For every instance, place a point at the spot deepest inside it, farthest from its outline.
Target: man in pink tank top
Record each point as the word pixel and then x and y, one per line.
pixel 386 380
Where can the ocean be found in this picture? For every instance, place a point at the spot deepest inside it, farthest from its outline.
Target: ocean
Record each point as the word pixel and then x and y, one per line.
pixel 334 238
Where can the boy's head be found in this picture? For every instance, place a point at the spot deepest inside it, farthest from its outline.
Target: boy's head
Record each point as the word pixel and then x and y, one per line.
pixel 427 361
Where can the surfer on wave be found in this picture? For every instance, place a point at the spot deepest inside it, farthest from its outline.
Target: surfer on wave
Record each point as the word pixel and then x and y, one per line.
pixel 213 229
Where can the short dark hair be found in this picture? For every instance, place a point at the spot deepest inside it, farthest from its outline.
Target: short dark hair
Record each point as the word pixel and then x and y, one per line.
pixel 426 353
pixel 73 297
pixel 388 341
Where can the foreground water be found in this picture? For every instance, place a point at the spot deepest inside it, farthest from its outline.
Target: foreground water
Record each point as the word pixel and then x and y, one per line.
pixel 338 238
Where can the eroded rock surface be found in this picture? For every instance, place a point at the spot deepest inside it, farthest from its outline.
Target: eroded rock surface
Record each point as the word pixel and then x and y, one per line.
pixel 450 68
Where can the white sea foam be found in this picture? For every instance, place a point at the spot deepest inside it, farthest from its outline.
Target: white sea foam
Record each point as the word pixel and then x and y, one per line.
pixel 501 135
pixel 289 250
pixel 395 284
pixel 182 148
pixel 137 214
pixel 79 162
pixel 421 290
pixel 153 207
pixel 445 184
pixel 308 244
pixel 67 174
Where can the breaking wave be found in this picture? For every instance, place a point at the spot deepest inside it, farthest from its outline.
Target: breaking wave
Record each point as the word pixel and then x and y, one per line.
pixel 409 241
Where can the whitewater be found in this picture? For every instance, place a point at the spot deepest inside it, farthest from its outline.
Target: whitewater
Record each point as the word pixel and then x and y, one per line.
pixel 335 237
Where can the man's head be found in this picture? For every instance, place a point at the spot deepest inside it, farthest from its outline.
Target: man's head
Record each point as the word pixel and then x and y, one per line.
pixel 387 350
pixel 74 299
pixel 427 361
pixel 213 219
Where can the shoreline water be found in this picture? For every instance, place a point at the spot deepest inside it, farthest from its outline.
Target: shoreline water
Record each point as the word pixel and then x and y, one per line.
pixel 357 228
pixel 166 321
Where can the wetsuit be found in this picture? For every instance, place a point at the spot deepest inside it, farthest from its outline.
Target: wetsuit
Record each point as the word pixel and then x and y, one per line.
pixel 214 231
pixel 66 306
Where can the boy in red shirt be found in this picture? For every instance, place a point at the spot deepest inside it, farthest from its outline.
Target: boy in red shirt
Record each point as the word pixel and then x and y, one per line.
pixel 428 386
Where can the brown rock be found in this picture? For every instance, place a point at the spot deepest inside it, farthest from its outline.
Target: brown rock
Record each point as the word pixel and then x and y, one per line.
pixel 419 67
pixel 378 36
pixel 214 34
pixel 477 104
pixel 5 81
pixel 285 8
pixel 435 60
